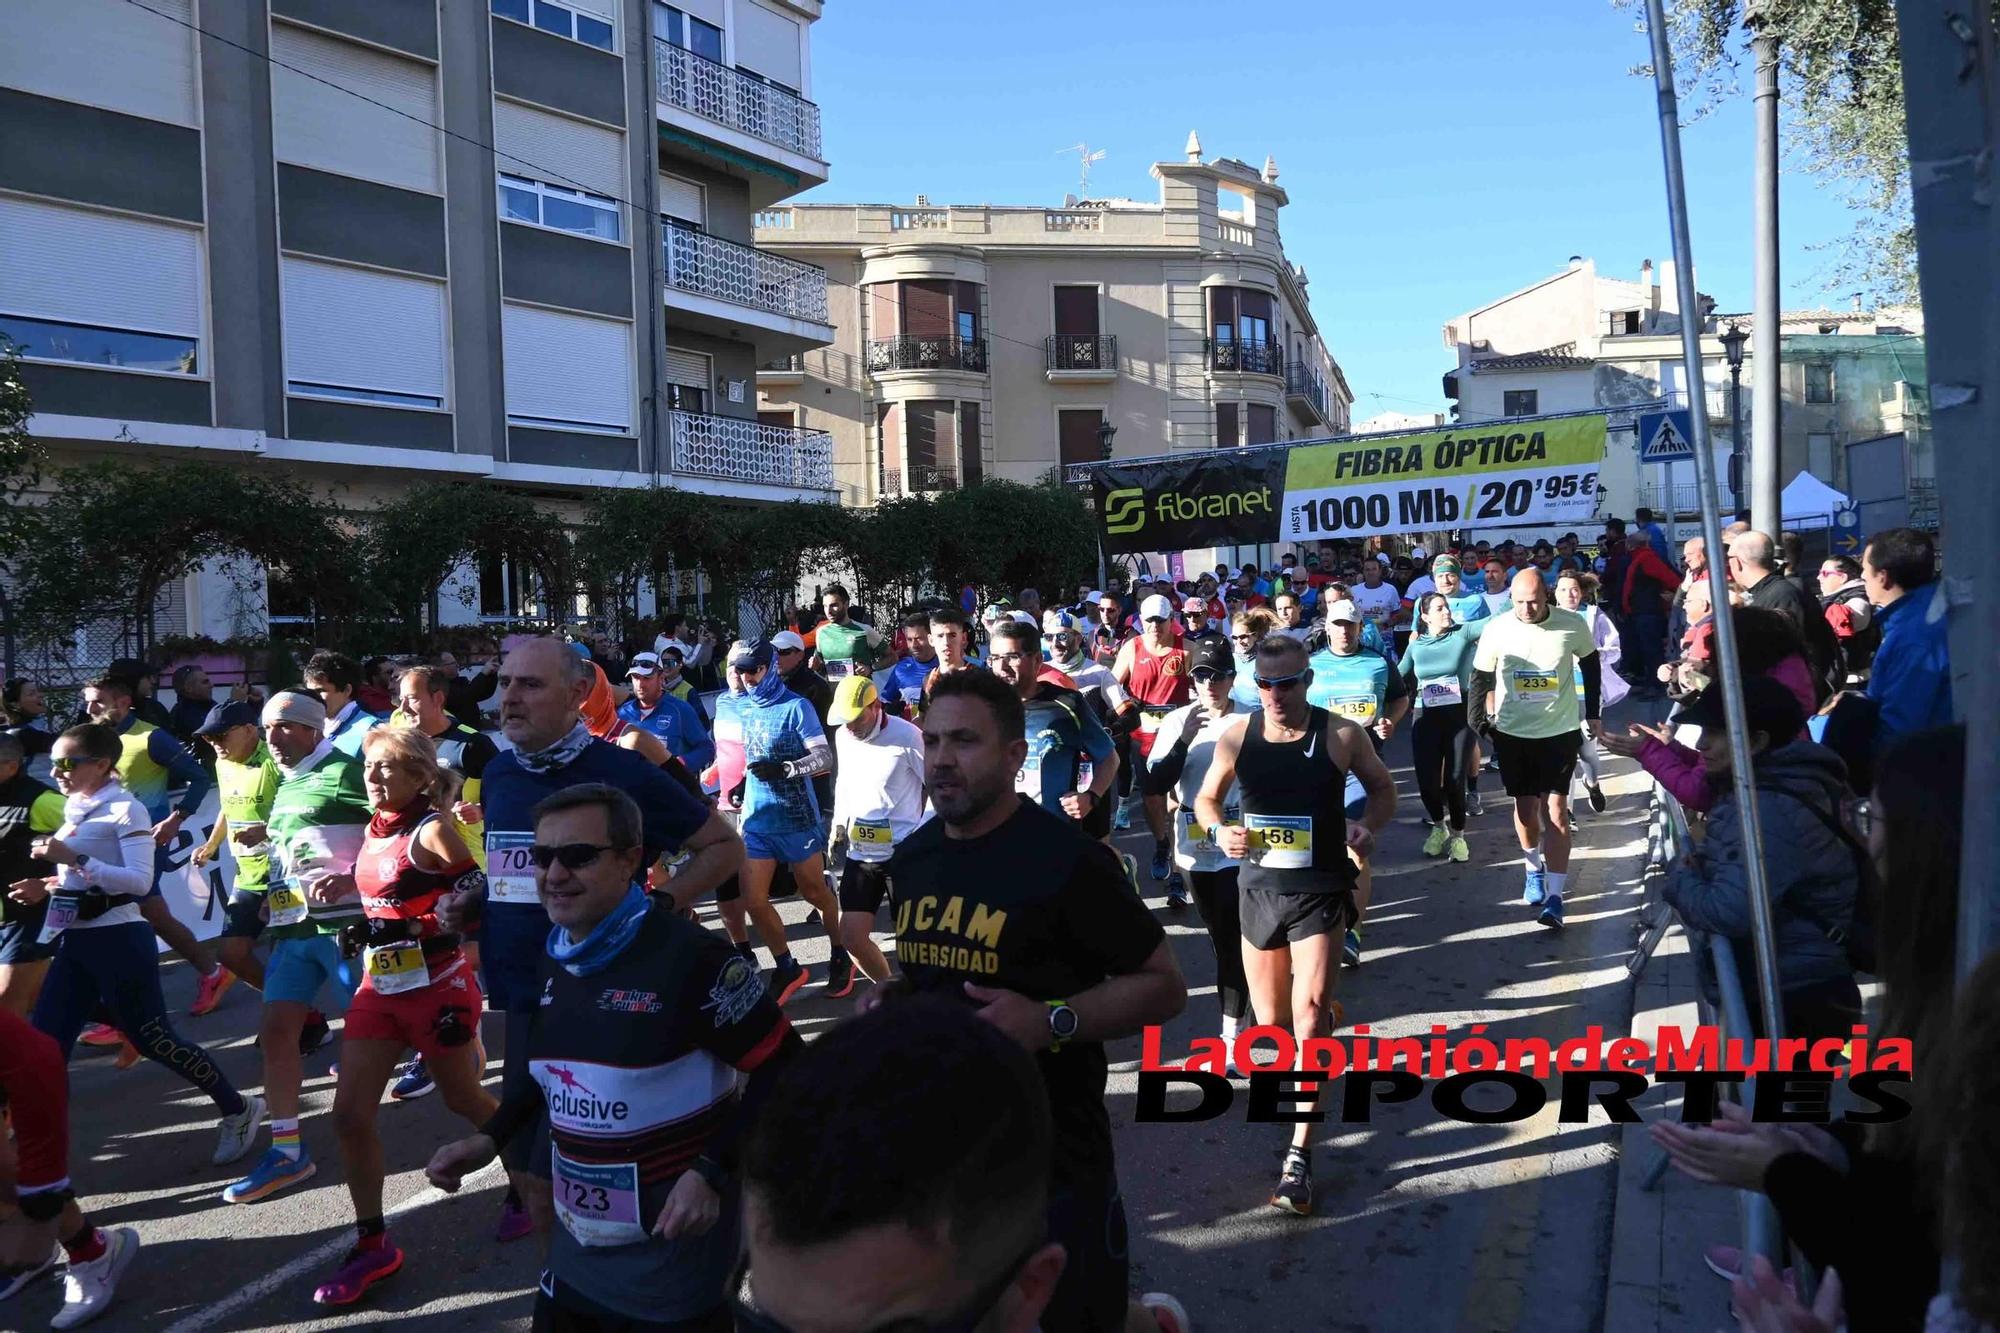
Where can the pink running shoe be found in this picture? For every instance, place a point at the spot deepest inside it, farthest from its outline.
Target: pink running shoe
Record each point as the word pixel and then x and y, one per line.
pixel 359 1271
pixel 514 1221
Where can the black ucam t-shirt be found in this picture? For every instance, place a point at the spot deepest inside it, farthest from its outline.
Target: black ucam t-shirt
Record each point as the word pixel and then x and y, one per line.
pixel 1038 907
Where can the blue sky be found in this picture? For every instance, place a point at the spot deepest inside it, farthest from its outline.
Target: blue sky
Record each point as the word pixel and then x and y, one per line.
pixel 1437 155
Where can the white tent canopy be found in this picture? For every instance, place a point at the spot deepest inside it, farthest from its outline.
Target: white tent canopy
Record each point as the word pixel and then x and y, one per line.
pixel 1810 503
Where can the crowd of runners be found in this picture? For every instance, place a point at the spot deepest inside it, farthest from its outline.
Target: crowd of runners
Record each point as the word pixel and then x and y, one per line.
pixel 942 788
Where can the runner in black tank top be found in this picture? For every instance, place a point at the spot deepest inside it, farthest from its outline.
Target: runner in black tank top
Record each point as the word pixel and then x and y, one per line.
pixel 1294 804
pixel 1296 888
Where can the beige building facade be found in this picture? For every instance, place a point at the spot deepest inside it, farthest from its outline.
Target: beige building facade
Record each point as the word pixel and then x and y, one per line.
pixel 986 341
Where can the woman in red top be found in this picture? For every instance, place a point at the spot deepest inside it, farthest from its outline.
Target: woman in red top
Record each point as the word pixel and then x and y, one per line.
pixel 416 988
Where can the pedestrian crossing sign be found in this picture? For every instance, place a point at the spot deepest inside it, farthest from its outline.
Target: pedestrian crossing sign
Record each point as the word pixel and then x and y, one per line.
pixel 1666 437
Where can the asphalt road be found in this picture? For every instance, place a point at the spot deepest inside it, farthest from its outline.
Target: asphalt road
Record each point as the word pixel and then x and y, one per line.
pixel 1421 1221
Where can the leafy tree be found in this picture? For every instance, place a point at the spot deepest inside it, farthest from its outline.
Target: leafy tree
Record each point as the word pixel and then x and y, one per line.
pixel 21 456
pixel 113 535
pixel 776 544
pixel 631 535
pixel 414 542
pixel 1001 536
pixel 895 552
pixel 1841 83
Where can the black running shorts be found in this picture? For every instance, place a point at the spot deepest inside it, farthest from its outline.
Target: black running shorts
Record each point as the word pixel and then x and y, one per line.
pixel 1271 920
pixel 863 886
pixel 1536 767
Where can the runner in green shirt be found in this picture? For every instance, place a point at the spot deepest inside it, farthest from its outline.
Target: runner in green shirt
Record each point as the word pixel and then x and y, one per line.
pixel 247 777
pixel 845 646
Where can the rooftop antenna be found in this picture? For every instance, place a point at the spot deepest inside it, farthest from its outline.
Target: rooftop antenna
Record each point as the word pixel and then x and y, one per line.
pixel 1082 150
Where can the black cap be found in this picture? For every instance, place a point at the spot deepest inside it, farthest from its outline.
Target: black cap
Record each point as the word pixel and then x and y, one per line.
pixel 128 668
pixel 1768 706
pixel 1211 653
pixel 223 716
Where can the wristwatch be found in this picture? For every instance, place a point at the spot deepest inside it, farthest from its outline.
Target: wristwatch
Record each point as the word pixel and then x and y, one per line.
pixel 712 1172
pixel 1062 1024
pixel 82 862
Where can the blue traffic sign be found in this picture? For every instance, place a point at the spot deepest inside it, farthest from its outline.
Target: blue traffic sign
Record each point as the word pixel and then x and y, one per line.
pixel 1666 437
pixel 1846 538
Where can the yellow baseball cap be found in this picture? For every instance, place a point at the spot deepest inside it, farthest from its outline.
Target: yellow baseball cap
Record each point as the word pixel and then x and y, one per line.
pixel 851 700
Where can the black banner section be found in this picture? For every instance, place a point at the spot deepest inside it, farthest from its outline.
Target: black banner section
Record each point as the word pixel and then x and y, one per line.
pixel 1208 500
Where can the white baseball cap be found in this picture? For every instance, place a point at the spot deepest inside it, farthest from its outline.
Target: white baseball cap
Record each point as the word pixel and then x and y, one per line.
pixel 1343 610
pixel 788 639
pixel 1419 553
pixel 1156 607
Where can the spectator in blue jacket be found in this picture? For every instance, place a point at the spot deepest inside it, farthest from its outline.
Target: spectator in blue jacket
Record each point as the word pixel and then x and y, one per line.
pixel 1911 679
pixel 674 720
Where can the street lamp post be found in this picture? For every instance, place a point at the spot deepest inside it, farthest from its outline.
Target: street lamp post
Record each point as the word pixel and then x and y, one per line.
pixel 1732 347
pixel 1105 430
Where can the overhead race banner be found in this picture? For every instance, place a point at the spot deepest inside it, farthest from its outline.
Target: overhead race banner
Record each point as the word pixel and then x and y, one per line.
pixel 1491 473
pixel 1208 500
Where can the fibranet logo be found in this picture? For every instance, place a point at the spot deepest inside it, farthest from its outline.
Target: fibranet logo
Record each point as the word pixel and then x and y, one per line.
pixel 1174 507
pixel 1125 511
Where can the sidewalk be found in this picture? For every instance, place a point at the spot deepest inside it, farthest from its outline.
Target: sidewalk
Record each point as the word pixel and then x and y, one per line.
pixel 1657 1282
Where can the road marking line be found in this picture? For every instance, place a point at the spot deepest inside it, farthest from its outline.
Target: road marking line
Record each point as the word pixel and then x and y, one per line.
pixel 211 1315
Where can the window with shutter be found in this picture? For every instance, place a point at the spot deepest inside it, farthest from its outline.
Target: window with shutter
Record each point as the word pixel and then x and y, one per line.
pixel 100 288
pixel 1076 312
pixel 1076 435
pixel 1225 426
pixel 566 371
pixel 971 466
pixel 1263 423
pixel 361 334
pixel 353 110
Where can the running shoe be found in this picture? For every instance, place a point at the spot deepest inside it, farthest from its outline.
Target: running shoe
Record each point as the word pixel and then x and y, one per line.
pixel 1596 794
pixel 16 1283
pixel 1552 912
pixel 89 1288
pixel 1350 948
pixel 1131 864
pixel 1177 893
pixel 359 1271
pixel 1457 850
pixel 128 1055
pixel 840 976
pixel 316 1033
pixel 514 1220
pixel 747 952
pixel 1168 1313
pixel 1163 863
pixel 413 1081
pixel 275 1174
pixel 1535 889
pixel 1121 819
pixel 238 1132
pixel 208 991
pixel 1473 805
pixel 99 1034
pixel 1434 844
pixel 1295 1185
pixel 789 975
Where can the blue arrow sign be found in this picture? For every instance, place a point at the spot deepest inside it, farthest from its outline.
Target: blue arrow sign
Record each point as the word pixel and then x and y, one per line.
pixel 1666 437
pixel 1846 538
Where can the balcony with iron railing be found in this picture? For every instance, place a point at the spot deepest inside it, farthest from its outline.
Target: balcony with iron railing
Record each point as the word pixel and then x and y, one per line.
pixel 782 370
pixel 919 479
pixel 1305 385
pixel 735 100
pixel 1080 356
pixel 704 265
pixel 921 351
pixel 740 449
pixel 1246 358
pixel 1685 498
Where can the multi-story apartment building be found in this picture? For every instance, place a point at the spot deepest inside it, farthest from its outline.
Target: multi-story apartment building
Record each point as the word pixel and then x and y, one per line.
pixel 1580 341
pixel 409 239
pixel 1002 341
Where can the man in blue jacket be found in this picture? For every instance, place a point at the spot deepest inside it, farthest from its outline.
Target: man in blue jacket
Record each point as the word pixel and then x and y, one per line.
pixel 1911 679
pixel 674 720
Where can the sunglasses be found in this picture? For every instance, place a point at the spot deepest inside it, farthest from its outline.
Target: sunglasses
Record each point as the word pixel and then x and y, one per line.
pixel 572 855
pixel 1156 620
pixel 1276 683
pixel 70 765
pixel 1012 659
pixel 790 652
pixel 1244 638
pixel 1205 676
